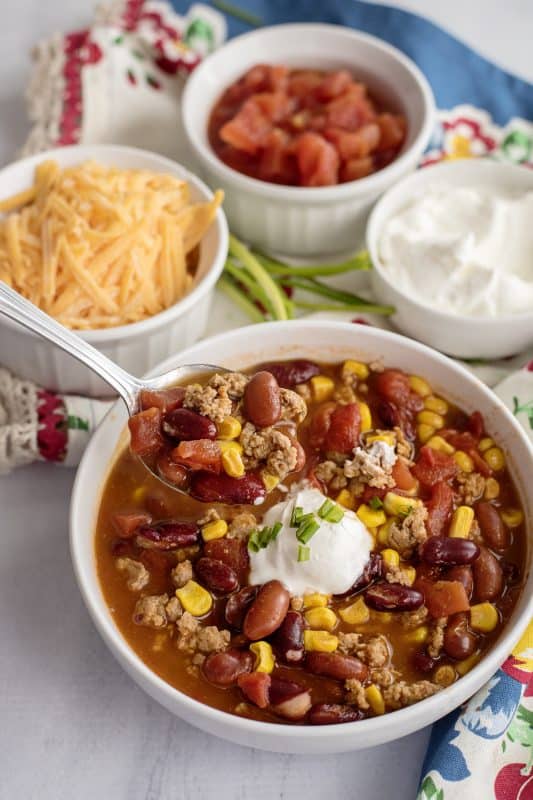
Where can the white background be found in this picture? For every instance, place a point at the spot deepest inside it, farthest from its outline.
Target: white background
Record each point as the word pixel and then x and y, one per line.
pixel 72 724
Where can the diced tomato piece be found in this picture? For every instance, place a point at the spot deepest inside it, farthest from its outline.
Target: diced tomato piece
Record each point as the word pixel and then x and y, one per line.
pixel 443 598
pixel 264 78
pixel 333 84
pixel 356 168
pixel 433 466
pixel 393 385
pixel 402 476
pixel 255 687
pixel 199 454
pixel 232 552
pixel 127 523
pixel 145 432
pixel 439 508
pixel 370 491
pixel 393 128
pixel 344 429
pixel 460 440
pixel 249 129
pixel 357 144
pixel 480 463
pixel 476 424
pixel 164 399
pixel 318 161
pixel 320 423
pixel 277 162
pixel 274 105
pixel 304 83
pixel 349 110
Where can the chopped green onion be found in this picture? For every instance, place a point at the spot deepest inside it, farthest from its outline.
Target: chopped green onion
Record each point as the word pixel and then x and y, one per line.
pixel 307 530
pixel 325 508
pixel 304 553
pixel 330 511
pixel 297 514
pixel 376 503
pixel 239 13
pixel 264 537
pixel 253 542
pixel 275 530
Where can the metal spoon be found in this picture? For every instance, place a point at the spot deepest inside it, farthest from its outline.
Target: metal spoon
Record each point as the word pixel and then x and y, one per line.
pixel 20 310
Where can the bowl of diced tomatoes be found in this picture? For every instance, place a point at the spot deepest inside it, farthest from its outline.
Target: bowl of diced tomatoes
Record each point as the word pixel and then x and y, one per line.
pixel 304 126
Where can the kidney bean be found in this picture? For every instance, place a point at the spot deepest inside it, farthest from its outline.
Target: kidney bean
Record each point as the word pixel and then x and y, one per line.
pixel 289 699
pixel 459 641
pixel 511 571
pixel 187 425
pixel 336 666
pixel 289 639
pixel 216 575
pixel 488 576
pixel 127 524
pixel 320 423
pixel 282 689
pixel 168 535
pixel 333 714
pixel 372 571
pixel 170 471
pixel 291 373
pixel 262 400
pixel 494 532
pixel 393 597
pixel 463 574
pixel 157 505
pixel 267 612
pixel 238 604
pixel 120 547
pixel 232 552
pixel 224 668
pixel 448 551
pixel 210 488
pixel 423 662
pixel 344 429
pixel 255 686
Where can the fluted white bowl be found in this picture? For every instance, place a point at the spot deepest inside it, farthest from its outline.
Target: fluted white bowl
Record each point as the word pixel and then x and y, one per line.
pixel 291 219
pixel 140 345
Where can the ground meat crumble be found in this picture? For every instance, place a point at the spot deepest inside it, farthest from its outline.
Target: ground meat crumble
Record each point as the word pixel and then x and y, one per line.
pixel 372 465
pixel 402 694
pixel 268 445
pixel 194 637
pixel 436 637
pixel 150 611
pixel 471 486
pixel 407 533
pixel 242 525
pixel 293 407
pixel 181 573
pixel 215 399
pixel 355 694
pixel 137 574
pixel 412 619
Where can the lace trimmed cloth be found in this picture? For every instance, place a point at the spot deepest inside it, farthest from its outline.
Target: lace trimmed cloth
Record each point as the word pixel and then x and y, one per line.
pixel 38 425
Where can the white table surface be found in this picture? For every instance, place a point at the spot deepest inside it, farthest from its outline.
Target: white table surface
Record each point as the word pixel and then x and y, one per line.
pixel 72 723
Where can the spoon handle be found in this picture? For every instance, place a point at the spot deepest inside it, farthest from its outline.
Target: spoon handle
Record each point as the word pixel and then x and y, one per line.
pixel 20 310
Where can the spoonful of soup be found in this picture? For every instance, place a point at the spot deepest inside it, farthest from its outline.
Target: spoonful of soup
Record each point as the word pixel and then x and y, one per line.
pixel 218 435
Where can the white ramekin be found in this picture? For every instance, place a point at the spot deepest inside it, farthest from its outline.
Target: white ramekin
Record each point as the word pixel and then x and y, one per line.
pixel 455 334
pixel 290 219
pixel 323 341
pixel 135 347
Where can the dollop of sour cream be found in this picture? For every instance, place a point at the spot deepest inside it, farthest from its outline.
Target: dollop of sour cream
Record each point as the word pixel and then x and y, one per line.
pixel 338 551
pixel 465 250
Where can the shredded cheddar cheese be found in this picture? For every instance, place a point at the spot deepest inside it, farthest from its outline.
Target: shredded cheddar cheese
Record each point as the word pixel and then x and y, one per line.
pixel 98 246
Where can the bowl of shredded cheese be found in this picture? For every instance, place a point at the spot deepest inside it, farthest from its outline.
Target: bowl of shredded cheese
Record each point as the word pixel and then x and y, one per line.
pixel 122 245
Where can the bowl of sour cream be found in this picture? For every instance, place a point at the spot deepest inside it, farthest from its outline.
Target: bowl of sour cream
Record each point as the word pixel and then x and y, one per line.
pixel 452 249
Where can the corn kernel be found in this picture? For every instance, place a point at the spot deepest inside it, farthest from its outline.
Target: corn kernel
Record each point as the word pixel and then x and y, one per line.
pixel 345 499
pixel 431 418
pixel 387 437
pixel 264 659
pixel 315 600
pixel 233 463
pixel 440 444
pixel 409 575
pixel 445 675
pixel 322 388
pixel 390 557
pixel 492 489
pixel 463 461
pixel 494 458
pixel 369 517
pixel 356 368
pixel 227 446
pixel 513 517
pixel 355 614
pixel 383 532
pixel 321 641
pixel 437 404
pixel 418 635
pixel 375 699
pixel 382 617
pixel 366 417
pixel 269 481
pixel 321 619
pixel 194 598
pixel 229 428
pixel 466 665
pixel 485 444
pixel 425 432
pixel 398 505
pixel 461 522
pixel 419 385
pixel 484 617
pixel 138 494
pixel 214 530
